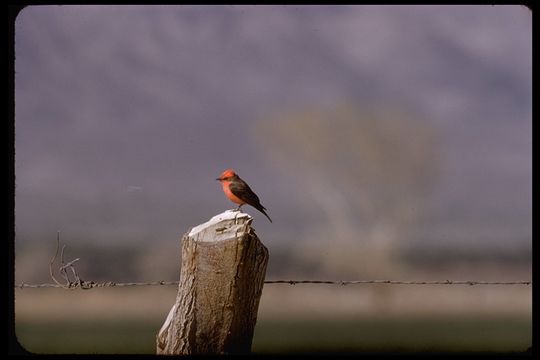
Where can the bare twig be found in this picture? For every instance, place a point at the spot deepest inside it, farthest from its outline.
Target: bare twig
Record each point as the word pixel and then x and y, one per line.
pixel 51 272
pixel 63 270
pixel 62 267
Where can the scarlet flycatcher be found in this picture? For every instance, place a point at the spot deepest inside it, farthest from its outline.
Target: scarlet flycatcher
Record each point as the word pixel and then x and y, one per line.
pixel 239 192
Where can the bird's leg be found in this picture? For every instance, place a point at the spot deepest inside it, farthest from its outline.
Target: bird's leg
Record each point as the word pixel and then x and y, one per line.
pixel 239 208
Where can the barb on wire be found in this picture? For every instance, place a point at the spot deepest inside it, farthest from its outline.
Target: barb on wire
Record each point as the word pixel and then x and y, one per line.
pixel 91 284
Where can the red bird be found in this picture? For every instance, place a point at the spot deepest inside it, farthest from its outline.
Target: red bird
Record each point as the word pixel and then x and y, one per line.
pixel 238 191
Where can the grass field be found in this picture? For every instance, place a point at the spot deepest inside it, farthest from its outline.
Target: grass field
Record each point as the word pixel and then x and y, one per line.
pixel 310 319
pixel 360 335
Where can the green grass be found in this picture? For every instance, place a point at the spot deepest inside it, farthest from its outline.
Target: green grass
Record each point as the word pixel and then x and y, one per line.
pixel 448 334
pixel 396 335
pixel 88 337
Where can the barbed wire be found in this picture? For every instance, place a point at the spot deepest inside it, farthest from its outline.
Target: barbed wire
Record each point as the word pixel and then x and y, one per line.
pixel 398 282
pixel 86 285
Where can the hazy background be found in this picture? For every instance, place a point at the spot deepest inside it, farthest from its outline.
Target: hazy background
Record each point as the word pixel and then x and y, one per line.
pixel 385 141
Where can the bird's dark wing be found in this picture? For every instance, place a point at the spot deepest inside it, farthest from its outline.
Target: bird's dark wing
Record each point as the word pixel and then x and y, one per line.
pixel 242 190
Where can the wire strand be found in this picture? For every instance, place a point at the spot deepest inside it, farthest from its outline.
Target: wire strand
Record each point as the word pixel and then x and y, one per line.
pixel 85 285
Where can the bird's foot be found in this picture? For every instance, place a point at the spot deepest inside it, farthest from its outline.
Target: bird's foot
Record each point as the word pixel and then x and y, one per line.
pixel 239 209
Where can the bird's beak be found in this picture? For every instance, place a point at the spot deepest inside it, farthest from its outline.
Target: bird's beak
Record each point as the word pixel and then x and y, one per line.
pixel 218 179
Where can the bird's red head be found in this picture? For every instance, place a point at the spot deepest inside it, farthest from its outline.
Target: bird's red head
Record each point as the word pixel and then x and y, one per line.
pixel 229 173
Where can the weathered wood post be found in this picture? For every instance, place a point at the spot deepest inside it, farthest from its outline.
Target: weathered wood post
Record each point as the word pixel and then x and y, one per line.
pixel 221 281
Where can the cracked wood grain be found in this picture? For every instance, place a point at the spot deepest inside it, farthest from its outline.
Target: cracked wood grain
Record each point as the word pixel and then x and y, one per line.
pixel 221 280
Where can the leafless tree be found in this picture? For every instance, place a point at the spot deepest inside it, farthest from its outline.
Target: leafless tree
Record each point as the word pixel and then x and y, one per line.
pixel 369 171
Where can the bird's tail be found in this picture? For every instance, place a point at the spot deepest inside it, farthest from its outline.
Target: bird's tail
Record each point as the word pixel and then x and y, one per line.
pixel 261 209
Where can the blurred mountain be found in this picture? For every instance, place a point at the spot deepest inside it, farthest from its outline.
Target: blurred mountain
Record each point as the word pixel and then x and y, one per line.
pixel 124 115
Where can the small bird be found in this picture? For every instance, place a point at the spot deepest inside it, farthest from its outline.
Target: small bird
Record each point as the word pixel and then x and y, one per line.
pixel 239 192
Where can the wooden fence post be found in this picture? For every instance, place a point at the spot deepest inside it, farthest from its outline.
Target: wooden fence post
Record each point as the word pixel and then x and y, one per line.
pixel 221 281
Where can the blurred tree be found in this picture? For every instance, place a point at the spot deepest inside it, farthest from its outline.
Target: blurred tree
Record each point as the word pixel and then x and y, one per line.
pixel 369 172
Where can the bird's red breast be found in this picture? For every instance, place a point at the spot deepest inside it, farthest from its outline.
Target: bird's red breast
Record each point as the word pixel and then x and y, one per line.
pixel 229 193
pixel 226 178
